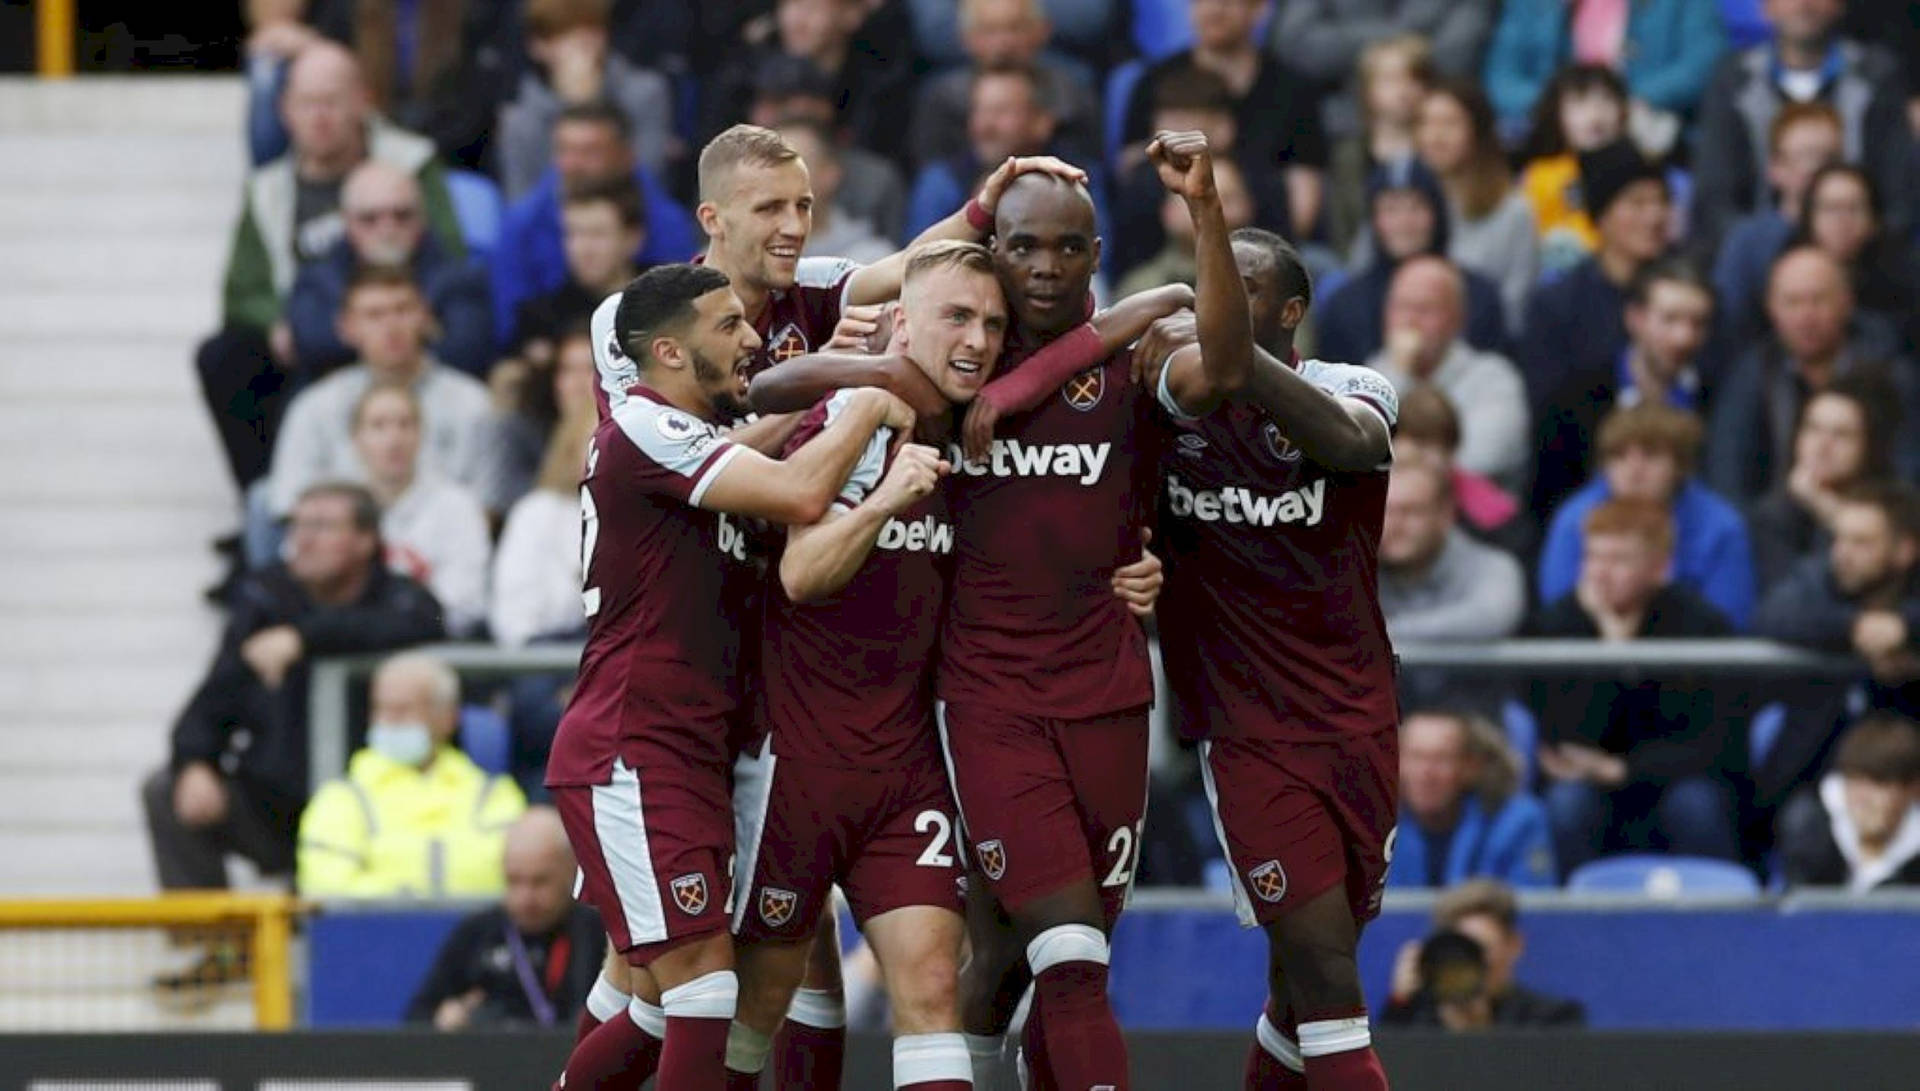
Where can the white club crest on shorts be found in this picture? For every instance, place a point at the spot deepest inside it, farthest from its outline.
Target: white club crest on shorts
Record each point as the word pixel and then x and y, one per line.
pixel 993 858
pixel 1083 391
pixel 1268 881
pixel 690 894
pixel 776 905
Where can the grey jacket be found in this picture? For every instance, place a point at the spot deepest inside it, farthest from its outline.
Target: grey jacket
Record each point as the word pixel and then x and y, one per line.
pixel 1491 397
pixel 1472 591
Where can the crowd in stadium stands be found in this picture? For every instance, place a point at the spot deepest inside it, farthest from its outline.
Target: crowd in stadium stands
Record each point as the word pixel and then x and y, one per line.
pixel 1644 276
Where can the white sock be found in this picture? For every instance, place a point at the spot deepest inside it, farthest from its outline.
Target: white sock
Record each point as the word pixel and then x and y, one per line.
pixel 1278 1046
pixel 983 1051
pixel 648 1017
pixel 747 1048
pixel 925 1058
pixel 605 1000
pixel 818 1008
pixel 711 996
pixel 1325 1036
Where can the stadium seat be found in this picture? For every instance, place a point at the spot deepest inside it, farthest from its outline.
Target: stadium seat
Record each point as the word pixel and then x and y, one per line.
pixel 1523 734
pixel 1160 27
pixel 1763 733
pixel 485 737
pixel 1663 877
pixel 1745 25
pixel 1120 84
pixel 479 207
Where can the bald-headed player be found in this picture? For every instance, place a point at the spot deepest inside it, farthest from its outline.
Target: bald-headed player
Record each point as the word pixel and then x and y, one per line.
pixel 1271 629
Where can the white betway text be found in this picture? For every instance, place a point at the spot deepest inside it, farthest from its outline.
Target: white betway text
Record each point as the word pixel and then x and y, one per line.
pixel 923 535
pixel 1232 504
pixel 1011 458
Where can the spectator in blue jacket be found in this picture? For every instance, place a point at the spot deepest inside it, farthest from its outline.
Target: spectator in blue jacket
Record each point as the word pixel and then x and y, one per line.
pixel 589 142
pixel 1666 50
pixel 1647 453
pixel 386 225
pixel 1463 814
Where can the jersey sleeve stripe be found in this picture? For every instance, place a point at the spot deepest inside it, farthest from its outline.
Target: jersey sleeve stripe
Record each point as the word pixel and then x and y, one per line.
pixel 1385 417
pixel 1164 393
pixel 709 471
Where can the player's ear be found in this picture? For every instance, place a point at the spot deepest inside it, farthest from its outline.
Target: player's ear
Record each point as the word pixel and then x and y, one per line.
pixel 1096 251
pixel 897 324
pixel 665 351
pixel 1292 313
pixel 708 214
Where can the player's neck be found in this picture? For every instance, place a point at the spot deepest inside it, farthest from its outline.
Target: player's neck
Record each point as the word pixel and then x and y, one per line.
pixel 753 296
pixel 680 390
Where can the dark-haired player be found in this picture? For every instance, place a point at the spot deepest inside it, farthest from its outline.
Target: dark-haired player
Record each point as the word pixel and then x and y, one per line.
pixel 1271 629
pixel 639 768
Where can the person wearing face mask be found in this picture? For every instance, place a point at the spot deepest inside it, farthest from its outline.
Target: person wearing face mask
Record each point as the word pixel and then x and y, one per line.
pixel 413 817
pixel 1859 827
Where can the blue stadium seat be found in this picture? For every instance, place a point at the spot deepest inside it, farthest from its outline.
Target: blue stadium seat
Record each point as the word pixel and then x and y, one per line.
pixel 1160 27
pixel 1745 25
pixel 479 207
pixel 485 737
pixel 1120 84
pixel 1763 734
pixel 1523 734
pixel 1663 877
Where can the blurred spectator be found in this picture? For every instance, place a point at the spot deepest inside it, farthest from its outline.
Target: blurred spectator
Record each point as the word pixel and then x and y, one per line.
pixel 1485 912
pixel 1815 340
pixel 1435 582
pixel 572 66
pixel 1393 78
pixel 291 217
pixel 792 89
pixel 1326 41
pixel 1491 229
pixel 602 225
pixel 1860 826
pixel 1425 315
pixel 836 232
pixel 1175 261
pixel 1001 34
pixel 1085 28
pixel 1007 117
pixel 872 80
pixel 515 435
pixel 1635 764
pixel 1806 61
pixel 236 775
pixel 1804 137
pixel 1575 328
pixel 413 816
pixel 1647 455
pixel 590 143
pixel 1861 597
pixel 385 319
pixel 1669 320
pixel 529 961
pixel 1463 814
pixel 1841 442
pixel 1844 216
pixel 1277 116
pixel 387 225
pixel 1583 109
pixel 433 529
pixel 1406 217
pixel 1665 49
pixel 1429 428
pixel 437 67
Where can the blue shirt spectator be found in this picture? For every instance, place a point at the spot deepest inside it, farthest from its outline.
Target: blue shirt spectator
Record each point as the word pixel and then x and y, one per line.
pixel 1462 813
pixel 1666 50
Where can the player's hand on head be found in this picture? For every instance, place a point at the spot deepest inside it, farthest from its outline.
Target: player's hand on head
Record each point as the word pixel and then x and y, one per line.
pixel 1013 167
pixel 916 471
pixel 1184 163
pixel 856 329
pixel 1165 337
pixel 1138 584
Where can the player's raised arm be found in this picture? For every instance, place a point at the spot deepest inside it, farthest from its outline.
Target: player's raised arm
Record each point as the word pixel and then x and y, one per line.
pixel 799 383
pixel 1201 376
pixel 880 282
pixel 822 557
pixel 800 488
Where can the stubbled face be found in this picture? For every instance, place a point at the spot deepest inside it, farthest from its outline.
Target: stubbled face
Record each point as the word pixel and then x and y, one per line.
pixel 1635 223
pixel 599 247
pixel 1045 250
pixel 1810 305
pixel 1672 327
pixel 1639 472
pixel 586 150
pixel 1867 551
pixel 761 226
pixel 1418 517
pixel 1444 135
pixel 323 546
pixel 1624 570
pixel 952 323
pixel 386 325
pixel 719 344
pixel 1840 216
pixel 1433 765
pixel 387 436
pixel 1831 444
pixel 1404 221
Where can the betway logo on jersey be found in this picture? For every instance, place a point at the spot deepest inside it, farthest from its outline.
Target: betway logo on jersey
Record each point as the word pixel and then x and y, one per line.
pixel 924 535
pixel 1233 504
pixel 1012 458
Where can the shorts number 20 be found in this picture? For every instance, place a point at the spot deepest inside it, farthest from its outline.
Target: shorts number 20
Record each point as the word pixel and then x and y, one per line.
pixel 1124 847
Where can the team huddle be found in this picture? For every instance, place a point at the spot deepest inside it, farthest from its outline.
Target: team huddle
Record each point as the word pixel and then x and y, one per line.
pixel 867 570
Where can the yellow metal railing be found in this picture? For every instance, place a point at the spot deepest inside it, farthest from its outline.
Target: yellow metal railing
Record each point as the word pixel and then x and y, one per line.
pixel 53 23
pixel 266 920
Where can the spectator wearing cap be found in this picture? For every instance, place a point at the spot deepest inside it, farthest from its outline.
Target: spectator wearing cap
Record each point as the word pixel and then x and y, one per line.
pixel 1815 340
pixel 1804 137
pixel 1436 583
pixel 999 34
pixel 1492 223
pixel 1647 455
pixel 1326 41
pixel 1806 60
pixel 1485 913
pixel 1406 217
pixel 413 817
pixel 836 232
pixel 1669 323
pixel 1634 764
pixel 387 225
pixel 1425 314
pixel 1841 443
pixel 1429 428
pixel 571 65
pixel 1859 827
pixel 1575 327
pixel 1463 814
pixel 590 144
pixel 1175 262
pixel 528 961
pixel 794 89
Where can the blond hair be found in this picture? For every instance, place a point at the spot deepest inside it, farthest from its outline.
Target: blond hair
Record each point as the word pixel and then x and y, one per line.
pixel 378 390
pixel 946 254
pixel 742 145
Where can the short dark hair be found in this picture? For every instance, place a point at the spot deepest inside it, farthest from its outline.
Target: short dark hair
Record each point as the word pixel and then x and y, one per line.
pixel 619 190
pixel 1289 269
pixel 1879 405
pixel 1191 88
pixel 379 276
pixel 597 112
pixel 1882 747
pixel 659 301
pixel 1897 501
pixel 1672 269
pixel 366 510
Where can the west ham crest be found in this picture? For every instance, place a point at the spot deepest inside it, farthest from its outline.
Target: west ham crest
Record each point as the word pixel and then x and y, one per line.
pixel 690 894
pixel 993 858
pixel 1083 391
pixel 1268 881
pixel 776 905
pixel 786 344
pixel 1278 445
